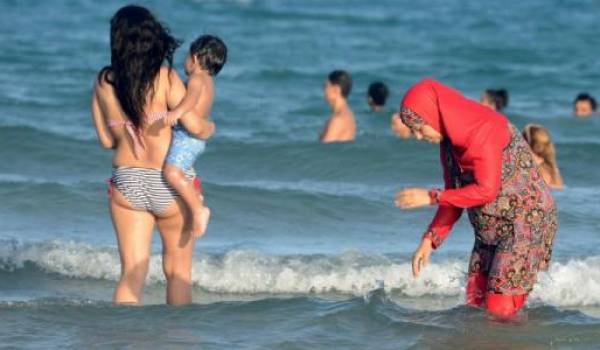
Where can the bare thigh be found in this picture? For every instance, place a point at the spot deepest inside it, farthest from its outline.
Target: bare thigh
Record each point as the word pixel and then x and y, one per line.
pixel 134 230
pixel 178 242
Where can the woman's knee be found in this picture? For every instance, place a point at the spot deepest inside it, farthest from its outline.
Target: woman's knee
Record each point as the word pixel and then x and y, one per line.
pixel 135 272
pixel 177 268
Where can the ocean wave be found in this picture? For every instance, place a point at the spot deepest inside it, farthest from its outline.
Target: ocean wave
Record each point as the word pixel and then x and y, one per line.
pixel 329 188
pixel 575 282
pixel 18 179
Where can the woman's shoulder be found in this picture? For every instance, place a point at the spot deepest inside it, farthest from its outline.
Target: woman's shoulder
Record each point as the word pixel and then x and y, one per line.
pixel 168 74
pixel 103 80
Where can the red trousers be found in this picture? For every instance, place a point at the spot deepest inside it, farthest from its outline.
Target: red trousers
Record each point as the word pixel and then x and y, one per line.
pixel 500 305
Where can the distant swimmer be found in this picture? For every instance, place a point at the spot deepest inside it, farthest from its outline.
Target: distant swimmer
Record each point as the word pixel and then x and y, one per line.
pixel 496 99
pixel 341 127
pixel 584 105
pixel 544 154
pixel 377 95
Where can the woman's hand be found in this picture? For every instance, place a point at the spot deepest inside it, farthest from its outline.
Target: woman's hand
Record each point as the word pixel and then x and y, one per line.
pixel 421 257
pixel 411 198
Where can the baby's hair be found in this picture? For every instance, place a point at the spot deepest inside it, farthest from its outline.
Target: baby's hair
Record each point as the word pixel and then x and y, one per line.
pixel 342 79
pixel 499 98
pixel 584 96
pixel 378 92
pixel 211 53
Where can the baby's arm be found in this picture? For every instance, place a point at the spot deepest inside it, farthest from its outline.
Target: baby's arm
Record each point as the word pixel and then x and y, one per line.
pixel 104 136
pixel 199 127
pixel 194 91
pixel 202 108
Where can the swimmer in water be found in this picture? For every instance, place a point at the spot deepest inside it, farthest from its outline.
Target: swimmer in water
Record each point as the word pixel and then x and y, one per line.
pixel 544 154
pixel 341 126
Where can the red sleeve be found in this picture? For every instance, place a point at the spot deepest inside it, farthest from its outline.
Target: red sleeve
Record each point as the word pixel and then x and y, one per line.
pixel 446 215
pixel 487 173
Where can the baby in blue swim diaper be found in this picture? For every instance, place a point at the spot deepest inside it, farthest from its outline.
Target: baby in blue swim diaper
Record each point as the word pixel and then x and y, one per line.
pixel 207 56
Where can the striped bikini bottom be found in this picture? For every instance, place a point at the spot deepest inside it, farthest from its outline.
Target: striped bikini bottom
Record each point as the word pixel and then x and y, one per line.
pixel 146 189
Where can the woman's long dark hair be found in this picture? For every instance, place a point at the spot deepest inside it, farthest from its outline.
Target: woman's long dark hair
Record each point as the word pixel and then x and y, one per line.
pixel 139 45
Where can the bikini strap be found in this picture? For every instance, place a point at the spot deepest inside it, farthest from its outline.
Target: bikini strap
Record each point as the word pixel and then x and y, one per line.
pixel 139 143
pixel 135 133
pixel 153 117
pixel 114 123
pixel 156 116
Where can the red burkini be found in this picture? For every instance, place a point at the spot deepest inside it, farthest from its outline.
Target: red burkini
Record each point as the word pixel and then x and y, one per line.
pixel 478 136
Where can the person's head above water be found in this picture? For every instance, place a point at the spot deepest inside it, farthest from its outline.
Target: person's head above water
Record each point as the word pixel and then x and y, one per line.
pixel 496 99
pixel 434 112
pixel 208 53
pixel 539 140
pixel 337 86
pixel 584 105
pixel 139 46
pixel 377 94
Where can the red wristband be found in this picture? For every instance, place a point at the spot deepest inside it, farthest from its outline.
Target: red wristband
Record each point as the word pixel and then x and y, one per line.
pixel 435 239
pixel 434 196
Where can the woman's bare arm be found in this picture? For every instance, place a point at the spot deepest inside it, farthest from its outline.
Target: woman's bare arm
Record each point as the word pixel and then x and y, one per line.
pixel 104 136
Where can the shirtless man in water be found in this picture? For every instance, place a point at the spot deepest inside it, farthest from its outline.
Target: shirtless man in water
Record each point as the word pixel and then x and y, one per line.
pixel 341 127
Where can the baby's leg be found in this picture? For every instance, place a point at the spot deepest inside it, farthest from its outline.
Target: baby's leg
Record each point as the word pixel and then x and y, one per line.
pixel 194 202
pixel 183 153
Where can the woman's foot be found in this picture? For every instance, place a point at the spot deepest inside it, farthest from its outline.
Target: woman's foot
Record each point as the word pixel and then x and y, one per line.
pixel 200 221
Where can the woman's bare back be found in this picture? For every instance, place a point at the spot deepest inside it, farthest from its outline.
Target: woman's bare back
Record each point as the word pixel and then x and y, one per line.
pixel 156 136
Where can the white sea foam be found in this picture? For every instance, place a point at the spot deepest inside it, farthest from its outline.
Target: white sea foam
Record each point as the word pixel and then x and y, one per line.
pixel 573 283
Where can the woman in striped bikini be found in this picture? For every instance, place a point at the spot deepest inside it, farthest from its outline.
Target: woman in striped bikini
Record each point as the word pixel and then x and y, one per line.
pixel 130 97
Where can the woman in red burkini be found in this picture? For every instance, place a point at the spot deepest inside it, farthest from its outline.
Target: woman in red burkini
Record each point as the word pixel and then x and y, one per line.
pixel 488 170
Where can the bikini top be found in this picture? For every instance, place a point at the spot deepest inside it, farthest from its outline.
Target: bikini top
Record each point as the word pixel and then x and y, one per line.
pixel 137 137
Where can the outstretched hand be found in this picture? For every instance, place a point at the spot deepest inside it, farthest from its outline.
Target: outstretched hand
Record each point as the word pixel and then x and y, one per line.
pixel 421 257
pixel 411 198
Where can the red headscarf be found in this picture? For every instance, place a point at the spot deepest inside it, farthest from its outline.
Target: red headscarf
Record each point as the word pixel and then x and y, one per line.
pixel 464 122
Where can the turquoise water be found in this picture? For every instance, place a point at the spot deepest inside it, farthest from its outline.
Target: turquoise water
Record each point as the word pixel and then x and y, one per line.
pixel 306 249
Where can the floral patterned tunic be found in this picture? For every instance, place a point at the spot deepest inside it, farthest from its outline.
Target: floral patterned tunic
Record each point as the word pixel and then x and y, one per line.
pixel 513 234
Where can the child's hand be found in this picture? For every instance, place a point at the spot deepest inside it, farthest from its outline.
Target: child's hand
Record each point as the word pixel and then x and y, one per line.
pixel 208 131
pixel 172 118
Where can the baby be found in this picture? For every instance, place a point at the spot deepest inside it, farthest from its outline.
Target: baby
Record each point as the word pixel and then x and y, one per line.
pixel 207 56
